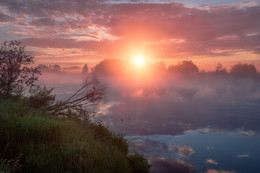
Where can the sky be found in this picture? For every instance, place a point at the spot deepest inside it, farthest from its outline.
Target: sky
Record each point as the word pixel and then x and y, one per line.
pixel 75 32
pixel 149 106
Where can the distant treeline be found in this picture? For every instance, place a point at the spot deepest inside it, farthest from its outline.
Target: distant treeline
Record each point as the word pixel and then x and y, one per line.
pixel 118 66
pixel 55 68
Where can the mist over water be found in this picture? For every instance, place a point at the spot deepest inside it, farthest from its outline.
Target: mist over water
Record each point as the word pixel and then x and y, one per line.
pixel 64 84
pixel 182 123
pixel 175 104
pixel 203 108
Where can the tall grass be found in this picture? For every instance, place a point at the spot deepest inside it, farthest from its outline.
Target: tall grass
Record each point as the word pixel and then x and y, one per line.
pixel 51 144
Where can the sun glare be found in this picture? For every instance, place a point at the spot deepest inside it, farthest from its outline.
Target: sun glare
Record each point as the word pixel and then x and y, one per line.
pixel 139 61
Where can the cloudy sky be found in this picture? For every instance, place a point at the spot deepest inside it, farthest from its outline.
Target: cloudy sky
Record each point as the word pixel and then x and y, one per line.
pixel 86 31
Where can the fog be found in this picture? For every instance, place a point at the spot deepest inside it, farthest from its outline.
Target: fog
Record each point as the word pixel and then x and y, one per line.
pixel 152 109
pixel 63 84
pixel 174 104
pixel 149 107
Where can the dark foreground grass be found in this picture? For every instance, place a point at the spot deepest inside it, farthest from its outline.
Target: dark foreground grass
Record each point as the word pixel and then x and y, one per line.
pixel 50 144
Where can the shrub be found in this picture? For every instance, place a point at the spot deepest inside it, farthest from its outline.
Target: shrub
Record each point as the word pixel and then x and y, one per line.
pixel 138 163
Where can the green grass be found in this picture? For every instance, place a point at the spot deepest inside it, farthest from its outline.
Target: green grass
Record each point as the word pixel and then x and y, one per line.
pixel 49 144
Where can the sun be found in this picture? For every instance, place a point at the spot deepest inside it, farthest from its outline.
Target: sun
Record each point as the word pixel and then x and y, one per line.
pixel 139 61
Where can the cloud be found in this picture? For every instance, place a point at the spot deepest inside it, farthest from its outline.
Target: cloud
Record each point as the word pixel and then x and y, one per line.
pixel 218 171
pixel 199 28
pixel 89 45
pixel 211 161
pixel 43 21
pixel 71 68
pixel 172 29
pixel 183 151
pixel 5 18
pixel 164 166
pixel 243 155
pixel 152 147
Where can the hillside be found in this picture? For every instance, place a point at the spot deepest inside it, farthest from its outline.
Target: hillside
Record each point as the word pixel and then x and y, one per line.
pixel 34 141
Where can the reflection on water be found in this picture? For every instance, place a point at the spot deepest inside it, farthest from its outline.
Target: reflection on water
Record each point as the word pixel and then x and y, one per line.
pixel 201 124
pixel 188 104
pixel 200 151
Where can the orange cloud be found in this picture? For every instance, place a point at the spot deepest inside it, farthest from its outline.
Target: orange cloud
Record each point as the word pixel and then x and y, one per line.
pixel 111 30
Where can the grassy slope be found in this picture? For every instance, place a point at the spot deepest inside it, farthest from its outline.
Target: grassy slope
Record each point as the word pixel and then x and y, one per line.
pixel 49 144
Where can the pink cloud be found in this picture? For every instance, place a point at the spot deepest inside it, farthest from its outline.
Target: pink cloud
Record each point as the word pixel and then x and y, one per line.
pixel 211 161
pixel 98 27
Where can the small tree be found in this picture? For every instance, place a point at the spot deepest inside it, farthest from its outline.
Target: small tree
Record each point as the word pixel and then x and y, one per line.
pixel 85 69
pixel 15 74
pixel 220 69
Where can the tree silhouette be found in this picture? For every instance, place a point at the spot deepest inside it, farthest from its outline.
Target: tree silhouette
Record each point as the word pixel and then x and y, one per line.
pixel 85 69
pixel 184 67
pixel 43 68
pixel 16 75
pixel 220 69
pixel 243 69
pixel 55 68
pixel 110 67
